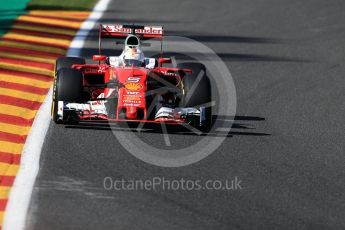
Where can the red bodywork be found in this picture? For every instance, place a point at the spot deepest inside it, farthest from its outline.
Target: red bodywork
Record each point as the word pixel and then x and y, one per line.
pixel 132 95
pixel 131 91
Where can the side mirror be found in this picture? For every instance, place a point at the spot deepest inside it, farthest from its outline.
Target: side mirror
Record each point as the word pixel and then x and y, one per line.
pixel 99 58
pixel 163 60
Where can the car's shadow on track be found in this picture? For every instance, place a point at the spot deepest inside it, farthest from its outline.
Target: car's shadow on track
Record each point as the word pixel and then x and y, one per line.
pixel 240 125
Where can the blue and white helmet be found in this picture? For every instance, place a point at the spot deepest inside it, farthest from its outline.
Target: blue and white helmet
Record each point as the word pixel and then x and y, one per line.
pixel 132 53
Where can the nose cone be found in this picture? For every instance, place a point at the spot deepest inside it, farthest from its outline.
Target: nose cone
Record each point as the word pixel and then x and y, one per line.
pixel 132 96
pixel 131 112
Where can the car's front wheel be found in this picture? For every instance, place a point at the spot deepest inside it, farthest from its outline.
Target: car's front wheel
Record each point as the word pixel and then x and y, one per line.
pixel 197 91
pixel 68 87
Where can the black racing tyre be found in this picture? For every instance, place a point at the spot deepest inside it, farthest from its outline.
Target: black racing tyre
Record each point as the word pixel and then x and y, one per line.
pixel 68 87
pixel 69 84
pixel 62 62
pixel 197 90
pixel 67 62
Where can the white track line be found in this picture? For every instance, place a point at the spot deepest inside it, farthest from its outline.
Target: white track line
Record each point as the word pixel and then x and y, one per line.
pixel 21 191
pixel 86 27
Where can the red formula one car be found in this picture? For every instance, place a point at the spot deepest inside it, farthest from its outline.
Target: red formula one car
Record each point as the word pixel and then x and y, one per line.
pixel 131 87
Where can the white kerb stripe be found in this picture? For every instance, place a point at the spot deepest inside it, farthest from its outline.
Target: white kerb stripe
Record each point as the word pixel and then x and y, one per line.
pixel 86 27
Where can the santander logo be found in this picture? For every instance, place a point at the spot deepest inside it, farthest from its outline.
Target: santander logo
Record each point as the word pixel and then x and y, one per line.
pixel 146 30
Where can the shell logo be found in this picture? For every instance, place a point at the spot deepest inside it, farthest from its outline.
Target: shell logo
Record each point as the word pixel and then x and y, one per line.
pixel 133 86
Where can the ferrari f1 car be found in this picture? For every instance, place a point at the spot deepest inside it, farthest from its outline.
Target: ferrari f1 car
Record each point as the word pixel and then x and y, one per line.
pixel 131 87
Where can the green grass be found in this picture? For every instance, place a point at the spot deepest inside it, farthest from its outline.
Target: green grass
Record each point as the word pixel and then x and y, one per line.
pixel 9 11
pixel 61 4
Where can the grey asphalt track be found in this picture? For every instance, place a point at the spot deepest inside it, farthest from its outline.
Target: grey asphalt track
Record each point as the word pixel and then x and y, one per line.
pixel 286 145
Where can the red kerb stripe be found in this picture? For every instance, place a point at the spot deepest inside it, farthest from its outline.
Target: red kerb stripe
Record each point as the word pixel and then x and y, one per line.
pixel 23 87
pixel 14 120
pixel 19 139
pixel 26 75
pixel 10 158
pixel 27 63
pixel 8 100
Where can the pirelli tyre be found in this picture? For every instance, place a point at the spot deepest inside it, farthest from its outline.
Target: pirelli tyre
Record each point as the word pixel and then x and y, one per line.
pixel 68 87
pixel 196 90
pixel 62 62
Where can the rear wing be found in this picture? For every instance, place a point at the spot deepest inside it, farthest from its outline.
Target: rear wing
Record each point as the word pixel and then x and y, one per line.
pixel 121 31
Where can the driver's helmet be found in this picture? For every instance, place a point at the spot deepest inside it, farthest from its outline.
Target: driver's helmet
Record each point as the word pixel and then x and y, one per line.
pixel 132 53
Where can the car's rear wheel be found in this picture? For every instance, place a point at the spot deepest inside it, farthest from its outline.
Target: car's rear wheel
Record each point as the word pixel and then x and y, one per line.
pixel 197 91
pixel 153 86
pixel 67 62
pixel 68 87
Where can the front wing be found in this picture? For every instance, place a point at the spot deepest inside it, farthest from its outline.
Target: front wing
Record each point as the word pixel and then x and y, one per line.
pixel 96 110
